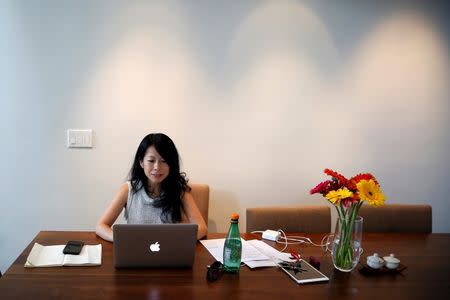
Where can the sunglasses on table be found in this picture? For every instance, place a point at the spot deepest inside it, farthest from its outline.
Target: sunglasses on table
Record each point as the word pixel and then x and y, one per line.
pixel 215 271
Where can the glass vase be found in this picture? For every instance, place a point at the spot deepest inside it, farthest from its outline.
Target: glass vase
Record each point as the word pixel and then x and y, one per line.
pixel 346 248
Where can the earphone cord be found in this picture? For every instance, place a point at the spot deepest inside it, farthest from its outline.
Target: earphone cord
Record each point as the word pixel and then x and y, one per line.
pixel 289 240
pixel 292 240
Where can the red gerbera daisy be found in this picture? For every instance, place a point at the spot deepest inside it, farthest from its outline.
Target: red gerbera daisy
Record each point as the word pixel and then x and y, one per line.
pixel 347 202
pixel 365 176
pixel 321 188
pixel 340 178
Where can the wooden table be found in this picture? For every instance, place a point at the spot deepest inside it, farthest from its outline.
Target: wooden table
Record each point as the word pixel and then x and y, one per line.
pixel 426 256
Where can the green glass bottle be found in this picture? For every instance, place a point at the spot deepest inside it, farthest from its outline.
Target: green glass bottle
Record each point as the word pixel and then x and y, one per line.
pixel 232 249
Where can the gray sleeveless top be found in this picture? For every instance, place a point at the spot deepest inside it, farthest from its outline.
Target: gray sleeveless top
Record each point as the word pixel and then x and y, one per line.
pixel 140 209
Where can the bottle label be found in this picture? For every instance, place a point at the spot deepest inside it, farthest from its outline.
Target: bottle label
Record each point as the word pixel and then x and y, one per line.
pixel 232 252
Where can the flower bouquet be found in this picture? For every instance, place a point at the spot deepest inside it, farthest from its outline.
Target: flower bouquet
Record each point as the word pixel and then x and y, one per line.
pixel 347 196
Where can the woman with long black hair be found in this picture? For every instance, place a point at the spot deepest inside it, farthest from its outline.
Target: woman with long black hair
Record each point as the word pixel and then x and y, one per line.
pixel 156 190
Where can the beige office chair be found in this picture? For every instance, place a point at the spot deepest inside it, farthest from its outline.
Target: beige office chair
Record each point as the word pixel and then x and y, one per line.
pixel 200 192
pixel 297 218
pixel 397 218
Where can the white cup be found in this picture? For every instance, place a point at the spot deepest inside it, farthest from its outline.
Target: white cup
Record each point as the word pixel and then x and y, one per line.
pixel 374 261
pixel 391 261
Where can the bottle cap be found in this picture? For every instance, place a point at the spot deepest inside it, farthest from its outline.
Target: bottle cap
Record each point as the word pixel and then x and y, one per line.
pixel 234 216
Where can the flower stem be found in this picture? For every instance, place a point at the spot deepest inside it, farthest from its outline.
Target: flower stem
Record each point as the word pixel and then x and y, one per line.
pixel 344 248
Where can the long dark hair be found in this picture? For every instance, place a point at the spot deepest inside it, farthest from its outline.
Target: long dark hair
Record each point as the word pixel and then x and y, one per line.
pixel 173 187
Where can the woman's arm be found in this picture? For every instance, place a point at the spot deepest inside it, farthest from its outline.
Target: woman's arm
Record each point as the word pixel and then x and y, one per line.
pixel 192 215
pixel 103 228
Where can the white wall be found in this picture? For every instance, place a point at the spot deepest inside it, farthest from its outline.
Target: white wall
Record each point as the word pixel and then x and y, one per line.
pixel 259 96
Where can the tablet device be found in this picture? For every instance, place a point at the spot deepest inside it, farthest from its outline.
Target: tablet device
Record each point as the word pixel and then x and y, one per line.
pixel 305 274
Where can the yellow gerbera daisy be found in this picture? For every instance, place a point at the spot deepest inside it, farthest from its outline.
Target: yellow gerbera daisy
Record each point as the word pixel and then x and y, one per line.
pixel 335 197
pixel 369 191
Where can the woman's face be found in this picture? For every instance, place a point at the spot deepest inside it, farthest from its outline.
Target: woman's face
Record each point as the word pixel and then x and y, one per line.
pixel 155 167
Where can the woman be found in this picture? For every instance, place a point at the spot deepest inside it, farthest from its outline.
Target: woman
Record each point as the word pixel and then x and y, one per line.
pixel 157 192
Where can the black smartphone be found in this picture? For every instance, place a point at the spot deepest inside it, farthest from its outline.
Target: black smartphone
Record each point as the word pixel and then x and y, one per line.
pixel 73 247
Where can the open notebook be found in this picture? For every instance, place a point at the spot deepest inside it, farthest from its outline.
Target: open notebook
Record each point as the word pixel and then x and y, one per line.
pixel 53 256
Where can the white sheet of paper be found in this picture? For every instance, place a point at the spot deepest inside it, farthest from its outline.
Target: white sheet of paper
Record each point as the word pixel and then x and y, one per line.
pixel 274 256
pixel 255 253
pixel 269 251
pixel 215 247
pixel 249 253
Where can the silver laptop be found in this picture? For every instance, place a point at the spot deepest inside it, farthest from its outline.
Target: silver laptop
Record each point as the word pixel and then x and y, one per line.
pixel 154 245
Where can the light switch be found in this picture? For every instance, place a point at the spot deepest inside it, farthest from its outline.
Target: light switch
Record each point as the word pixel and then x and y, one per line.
pixel 79 138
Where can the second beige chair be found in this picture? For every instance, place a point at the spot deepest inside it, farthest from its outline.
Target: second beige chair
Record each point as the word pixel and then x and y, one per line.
pixel 299 218
pixel 200 192
pixel 397 218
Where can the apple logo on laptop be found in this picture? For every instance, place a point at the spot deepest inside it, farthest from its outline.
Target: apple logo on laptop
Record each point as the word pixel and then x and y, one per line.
pixel 154 247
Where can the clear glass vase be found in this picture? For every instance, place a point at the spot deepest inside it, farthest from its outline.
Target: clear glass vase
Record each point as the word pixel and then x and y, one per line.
pixel 346 248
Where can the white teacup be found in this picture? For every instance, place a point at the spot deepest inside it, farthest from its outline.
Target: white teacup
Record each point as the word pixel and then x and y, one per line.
pixel 391 261
pixel 374 261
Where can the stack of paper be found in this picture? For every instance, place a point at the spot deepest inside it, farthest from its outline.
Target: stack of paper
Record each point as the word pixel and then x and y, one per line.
pixel 53 256
pixel 255 253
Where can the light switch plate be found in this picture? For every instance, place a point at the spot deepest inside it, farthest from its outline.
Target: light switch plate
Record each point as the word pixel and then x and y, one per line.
pixel 79 138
